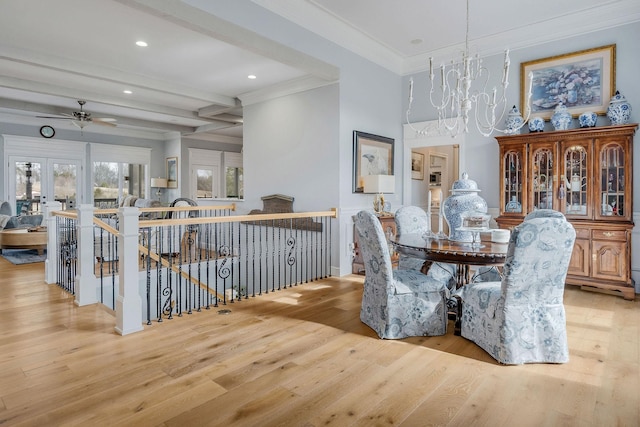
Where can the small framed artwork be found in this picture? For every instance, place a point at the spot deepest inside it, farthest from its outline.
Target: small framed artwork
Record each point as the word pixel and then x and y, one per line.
pixel 417 165
pixel 172 172
pixel 372 155
pixel 583 81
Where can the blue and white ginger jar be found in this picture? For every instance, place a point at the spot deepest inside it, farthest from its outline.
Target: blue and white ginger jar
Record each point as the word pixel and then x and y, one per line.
pixel 561 119
pixel 464 197
pixel 514 122
pixel 514 205
pixel 536 124
pixel 619 110
pixel 587 119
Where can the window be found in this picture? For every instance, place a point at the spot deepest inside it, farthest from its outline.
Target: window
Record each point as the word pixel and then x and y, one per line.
pixel 234 179
pixel 216 174
pixel 204 183
pixel 119 173
pixel 113 181
pixel 234 182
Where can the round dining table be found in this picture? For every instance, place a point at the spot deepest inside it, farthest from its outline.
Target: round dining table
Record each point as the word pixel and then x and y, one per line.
pixel 442 250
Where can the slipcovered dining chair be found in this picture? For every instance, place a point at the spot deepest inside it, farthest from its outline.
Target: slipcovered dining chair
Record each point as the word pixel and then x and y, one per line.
pixel 397 303
pixel 522 318
pixel 414 220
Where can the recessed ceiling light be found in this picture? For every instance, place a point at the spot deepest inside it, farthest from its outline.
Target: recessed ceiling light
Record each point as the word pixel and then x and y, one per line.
pixel 127 91
pixel 141 43
pixel 251 76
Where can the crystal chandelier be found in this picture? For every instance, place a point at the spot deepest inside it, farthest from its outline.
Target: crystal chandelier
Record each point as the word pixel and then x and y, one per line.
pixel 458 101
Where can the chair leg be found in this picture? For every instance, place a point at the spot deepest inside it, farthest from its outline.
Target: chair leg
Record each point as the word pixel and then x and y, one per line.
pixel 457 330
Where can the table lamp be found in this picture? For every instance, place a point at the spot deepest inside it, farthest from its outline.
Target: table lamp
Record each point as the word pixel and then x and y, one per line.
pixel 159 183
pixel 379 184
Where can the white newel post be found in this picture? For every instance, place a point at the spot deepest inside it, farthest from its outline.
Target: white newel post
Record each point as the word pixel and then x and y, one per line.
pixel 128 302
pixel 51 263
pixel 86 281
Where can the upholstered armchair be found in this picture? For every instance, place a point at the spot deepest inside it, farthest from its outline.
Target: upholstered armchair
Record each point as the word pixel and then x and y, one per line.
pixel 397 303
pixel 522 318
pixel 414 220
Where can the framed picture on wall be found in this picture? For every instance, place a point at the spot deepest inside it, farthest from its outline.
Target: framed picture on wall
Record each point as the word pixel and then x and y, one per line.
pixel 417 165
pixel 583 81
pixel 172 172
pixel 372 155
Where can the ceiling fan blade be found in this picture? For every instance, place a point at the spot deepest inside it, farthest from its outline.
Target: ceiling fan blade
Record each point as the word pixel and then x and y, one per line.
pixel 105 121
pixel 83 118
pixel 61 116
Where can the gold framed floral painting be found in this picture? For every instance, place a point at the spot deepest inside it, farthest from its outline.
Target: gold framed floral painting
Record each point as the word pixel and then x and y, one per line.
pixel 583 81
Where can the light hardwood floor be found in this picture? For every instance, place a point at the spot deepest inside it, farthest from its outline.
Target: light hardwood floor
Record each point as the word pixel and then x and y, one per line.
pixel 298 357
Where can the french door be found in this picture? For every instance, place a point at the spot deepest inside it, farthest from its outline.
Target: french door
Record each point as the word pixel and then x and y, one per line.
pixel 36 180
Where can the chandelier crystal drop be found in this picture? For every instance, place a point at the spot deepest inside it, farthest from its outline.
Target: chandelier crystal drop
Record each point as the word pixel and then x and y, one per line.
pixel 457 101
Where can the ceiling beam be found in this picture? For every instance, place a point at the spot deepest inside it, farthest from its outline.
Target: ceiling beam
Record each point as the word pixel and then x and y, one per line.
pixel 33 110
pixel 205 23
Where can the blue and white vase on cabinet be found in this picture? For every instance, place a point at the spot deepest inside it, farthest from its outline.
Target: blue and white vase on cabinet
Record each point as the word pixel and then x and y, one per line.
pixel 619 110
pixel 561 118
pixel 514 122
pixel 464 197
pixel 513 205
pixel 536 124
pixel 587 119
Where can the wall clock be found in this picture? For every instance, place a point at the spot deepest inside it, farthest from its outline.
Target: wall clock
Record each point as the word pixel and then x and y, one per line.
pixel 47 131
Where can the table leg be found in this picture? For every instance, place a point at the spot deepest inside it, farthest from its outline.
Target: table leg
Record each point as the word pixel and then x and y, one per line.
pixel 457 329
pixel 463 275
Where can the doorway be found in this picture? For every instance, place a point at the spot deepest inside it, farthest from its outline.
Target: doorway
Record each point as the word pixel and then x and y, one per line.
pixel 447 155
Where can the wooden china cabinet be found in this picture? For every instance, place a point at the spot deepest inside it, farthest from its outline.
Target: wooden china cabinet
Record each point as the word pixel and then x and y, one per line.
pixel 587 174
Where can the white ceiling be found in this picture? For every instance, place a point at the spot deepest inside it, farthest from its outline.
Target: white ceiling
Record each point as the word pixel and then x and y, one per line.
pixel 192 78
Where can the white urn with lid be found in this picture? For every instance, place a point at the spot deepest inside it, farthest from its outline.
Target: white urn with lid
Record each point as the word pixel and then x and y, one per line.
pixel 514 122
pixel 464 197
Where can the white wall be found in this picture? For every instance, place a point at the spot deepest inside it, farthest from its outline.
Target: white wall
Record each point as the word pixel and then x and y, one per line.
pixel 369 101
pixel 291 148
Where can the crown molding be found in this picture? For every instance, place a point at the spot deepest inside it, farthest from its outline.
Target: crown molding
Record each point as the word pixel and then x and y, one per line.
pixel 607 14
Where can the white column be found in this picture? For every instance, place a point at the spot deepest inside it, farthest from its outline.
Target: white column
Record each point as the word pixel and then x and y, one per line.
pixel 86 281
pixel 51 263
pixel 128 302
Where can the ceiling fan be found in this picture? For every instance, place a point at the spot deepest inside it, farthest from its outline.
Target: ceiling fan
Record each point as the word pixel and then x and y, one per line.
pixel 82 118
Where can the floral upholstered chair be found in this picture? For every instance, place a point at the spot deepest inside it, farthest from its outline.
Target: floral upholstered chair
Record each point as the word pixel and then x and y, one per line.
pixel 522 318
pixel 397 303
pixel 414 220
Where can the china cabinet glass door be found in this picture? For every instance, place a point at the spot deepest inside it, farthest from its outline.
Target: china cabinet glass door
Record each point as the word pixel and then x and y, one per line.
pixel 542 178
pixel 575 182
pixel 612 181
pixel 512 181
